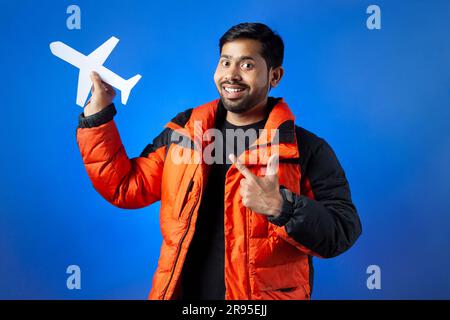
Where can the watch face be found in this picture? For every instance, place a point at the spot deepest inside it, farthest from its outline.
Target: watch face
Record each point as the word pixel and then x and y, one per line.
pixel 289 196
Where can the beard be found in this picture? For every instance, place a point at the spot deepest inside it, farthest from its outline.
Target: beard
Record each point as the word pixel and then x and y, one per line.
pixel 247 102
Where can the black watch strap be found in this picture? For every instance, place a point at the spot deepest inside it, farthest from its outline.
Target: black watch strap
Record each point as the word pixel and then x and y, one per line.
pixel 287 208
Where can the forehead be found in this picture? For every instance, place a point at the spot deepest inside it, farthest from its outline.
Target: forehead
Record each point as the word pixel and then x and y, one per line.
pixel 242 47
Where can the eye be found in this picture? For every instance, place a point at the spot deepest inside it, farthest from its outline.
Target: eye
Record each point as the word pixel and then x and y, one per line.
pixel 225 63
pixel 247 65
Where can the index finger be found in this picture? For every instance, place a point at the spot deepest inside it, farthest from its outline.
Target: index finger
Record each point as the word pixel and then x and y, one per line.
pixel 241 167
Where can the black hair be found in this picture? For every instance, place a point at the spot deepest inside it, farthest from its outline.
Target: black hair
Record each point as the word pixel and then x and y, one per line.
pixel 272 44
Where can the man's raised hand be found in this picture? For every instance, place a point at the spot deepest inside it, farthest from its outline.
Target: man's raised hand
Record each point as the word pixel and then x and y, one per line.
pixel 102 95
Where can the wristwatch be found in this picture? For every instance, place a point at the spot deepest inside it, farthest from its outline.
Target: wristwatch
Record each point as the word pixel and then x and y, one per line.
pixel 287 208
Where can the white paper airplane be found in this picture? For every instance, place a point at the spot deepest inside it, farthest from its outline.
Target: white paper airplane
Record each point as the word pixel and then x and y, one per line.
pixel 94 62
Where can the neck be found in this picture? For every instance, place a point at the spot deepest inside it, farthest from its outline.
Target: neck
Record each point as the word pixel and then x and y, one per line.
pixel 255 114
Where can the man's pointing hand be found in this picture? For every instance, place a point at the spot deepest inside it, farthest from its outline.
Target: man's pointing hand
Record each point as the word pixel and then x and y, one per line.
pixel 260 194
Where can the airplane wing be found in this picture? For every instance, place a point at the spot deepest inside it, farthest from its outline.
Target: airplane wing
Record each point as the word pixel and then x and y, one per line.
pixel 84 86
pixel 102 53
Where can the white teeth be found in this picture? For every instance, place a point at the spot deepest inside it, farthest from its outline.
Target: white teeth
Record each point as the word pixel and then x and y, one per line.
pixel 233 90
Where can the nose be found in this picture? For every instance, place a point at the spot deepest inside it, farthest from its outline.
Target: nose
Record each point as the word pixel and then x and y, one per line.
pixel 233 74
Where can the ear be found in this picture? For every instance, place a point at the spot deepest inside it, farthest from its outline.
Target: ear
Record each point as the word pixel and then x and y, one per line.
pixel 275 76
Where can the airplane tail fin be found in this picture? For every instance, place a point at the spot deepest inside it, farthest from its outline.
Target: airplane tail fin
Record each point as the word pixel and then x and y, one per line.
pixel 129 85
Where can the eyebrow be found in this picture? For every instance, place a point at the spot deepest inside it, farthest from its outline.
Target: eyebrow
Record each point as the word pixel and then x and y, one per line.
pixel 239 58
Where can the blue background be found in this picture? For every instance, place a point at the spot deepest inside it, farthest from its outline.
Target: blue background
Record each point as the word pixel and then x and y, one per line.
pixel 379 97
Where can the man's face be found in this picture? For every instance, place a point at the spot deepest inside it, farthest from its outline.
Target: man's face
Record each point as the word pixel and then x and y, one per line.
pixel 241 76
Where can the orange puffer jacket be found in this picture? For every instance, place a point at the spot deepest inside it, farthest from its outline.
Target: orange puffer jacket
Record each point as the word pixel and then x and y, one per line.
pixel 263 260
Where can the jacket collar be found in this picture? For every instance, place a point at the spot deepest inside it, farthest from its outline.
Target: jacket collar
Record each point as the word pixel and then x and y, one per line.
pixel 280 120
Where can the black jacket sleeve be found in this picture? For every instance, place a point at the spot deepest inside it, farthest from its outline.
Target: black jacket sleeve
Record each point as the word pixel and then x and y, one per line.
pixel 97 119
pixel 329 224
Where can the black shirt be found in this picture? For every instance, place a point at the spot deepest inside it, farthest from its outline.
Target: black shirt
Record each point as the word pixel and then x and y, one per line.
pixel 204 268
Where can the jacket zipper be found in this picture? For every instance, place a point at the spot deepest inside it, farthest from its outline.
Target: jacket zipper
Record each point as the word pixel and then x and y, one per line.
pixel 186 195
pixel 191 184
pixel 247 241
pixel 179 249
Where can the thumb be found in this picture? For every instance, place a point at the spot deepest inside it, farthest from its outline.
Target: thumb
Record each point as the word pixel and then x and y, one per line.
pixel 272 166
pixel 96 81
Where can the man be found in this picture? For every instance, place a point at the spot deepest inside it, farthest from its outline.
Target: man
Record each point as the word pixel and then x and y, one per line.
pixel 234 228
